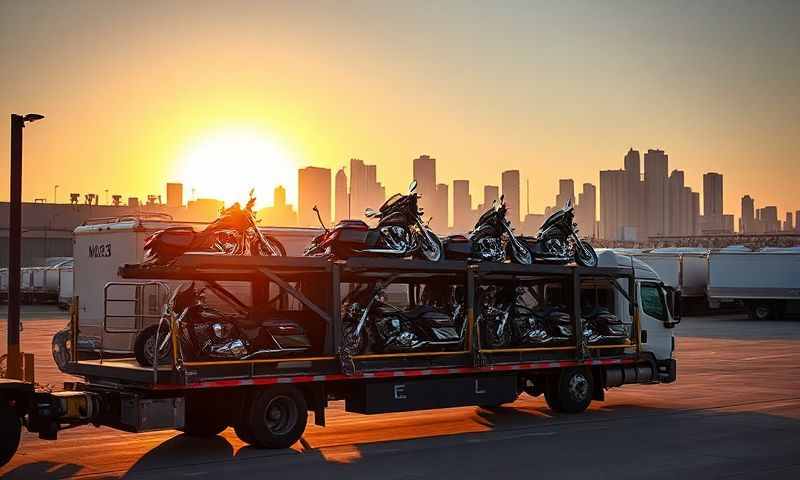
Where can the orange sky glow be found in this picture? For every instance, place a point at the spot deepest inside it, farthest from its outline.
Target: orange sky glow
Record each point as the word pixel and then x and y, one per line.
pixel 137 93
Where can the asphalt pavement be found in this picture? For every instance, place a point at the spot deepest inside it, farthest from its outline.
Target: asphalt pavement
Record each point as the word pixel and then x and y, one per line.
pixel 734 412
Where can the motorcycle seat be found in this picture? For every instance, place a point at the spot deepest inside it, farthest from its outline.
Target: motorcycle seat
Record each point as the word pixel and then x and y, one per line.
pixel 352 224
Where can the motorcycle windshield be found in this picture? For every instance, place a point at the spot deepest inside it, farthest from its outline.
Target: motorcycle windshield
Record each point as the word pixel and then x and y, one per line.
pixel 485 218
pixel 553 219
pixel 390 202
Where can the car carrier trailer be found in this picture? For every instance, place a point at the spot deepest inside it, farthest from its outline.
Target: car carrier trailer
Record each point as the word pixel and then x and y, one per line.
pixel 267 400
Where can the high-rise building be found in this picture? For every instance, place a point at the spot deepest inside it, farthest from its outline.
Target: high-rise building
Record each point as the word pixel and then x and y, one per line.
pixel 679 205
pixel 280 213
pixel 174 195
pixel 695 209
pixel 788 225
pixel 365 191
pixel 341 197
pixel 440 215
pixel 712 202
pixel 462 206
pixel 747 219
pixel 634 212
pixel 424 171
pixel 656 166
pixel 586 210
pixel 768 217
pixel 509 180
pixel 313 188
pixel 566 192
pixel 612 204
pixel 491 193
pixel 797 220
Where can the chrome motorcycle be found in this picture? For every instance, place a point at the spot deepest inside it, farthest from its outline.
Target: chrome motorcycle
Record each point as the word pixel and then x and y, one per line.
pixel 209 334
pixel 557 240
pixel 400 233
pixel 491 240
pixel 370 323
pixel 235 232
pixel 503 321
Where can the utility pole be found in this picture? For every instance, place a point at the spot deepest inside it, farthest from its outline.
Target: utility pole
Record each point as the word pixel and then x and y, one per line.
pixel 13 366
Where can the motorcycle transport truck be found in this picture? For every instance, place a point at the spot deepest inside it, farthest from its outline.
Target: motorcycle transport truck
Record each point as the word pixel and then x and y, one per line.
pixel 380 334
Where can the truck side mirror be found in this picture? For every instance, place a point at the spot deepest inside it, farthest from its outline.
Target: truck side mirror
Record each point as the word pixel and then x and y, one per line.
pixel 676 306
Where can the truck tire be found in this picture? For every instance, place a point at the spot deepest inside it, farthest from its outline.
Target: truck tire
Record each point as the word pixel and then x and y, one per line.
pixel 10 432
pixel 762 311
pixel 570 392
pixel 62 348
pixel 276 417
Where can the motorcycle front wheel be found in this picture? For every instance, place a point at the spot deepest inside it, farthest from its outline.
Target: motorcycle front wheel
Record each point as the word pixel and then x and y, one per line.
pixel 273 247
pixel 585 255
pixel 519 253
pixel 431 247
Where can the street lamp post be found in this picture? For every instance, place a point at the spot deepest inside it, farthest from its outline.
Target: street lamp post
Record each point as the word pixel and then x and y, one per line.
pixel 14 369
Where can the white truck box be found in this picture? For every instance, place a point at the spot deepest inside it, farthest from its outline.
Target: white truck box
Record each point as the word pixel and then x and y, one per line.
pixel 685 270
pixel 101 247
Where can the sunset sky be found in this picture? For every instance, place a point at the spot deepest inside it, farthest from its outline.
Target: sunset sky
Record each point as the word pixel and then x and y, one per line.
pixel 140 93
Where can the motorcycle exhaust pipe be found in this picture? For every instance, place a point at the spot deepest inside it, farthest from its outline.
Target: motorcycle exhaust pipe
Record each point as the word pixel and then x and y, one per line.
pixel 618 375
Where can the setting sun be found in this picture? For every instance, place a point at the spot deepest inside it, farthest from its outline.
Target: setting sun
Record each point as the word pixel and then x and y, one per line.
pixel 226 165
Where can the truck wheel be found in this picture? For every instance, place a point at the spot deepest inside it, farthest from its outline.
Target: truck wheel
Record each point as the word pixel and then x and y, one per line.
pixel 10 431
pixel 763 311
pixel 276 417
pixel 62 349
pixel 145 346
pixel 571 392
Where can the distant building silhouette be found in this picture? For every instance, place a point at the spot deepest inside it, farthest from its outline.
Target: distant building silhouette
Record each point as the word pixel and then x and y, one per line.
pixel 365 190
pixel 634 194
pixel 313 188
pixel 341 197
pixel 491 193
pixel 434 202
pixel 509 181
pixel 656 166
pixel 174 195
pixel 462 207
pixel 566 191
pixel 280 214
pixel 712 203
pixel 613 204
pixel 747 220
pixel 441 223
pixel 586 210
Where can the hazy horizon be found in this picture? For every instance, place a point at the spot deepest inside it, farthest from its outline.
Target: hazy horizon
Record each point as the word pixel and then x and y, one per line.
pixel 139 94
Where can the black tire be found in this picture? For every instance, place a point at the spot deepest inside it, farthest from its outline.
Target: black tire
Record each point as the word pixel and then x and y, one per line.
pixel 274 243
pixel 570 392
pixel 206 416
pixel 276 417
pixel 437 246
pixel 762 311
pixel 10 432
pixel 62 349
pixel 585 256
pixel 143 349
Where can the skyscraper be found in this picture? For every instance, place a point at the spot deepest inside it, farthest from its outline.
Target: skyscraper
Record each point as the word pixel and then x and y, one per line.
pixel 586 210
pixel 788 225
pixel 566 191
pixel 695 208
pixel 313 188
pixel 440 215
pixel 634 212
pixel 365 190
pixel 747 219
pixel 656 166
pixel 462 206
pixel 712 202
pixel 174 195
pixel 424 170
pixel 677 204
pixel 509 180
pixel 341 196
pixel 491 193
pixel 612 204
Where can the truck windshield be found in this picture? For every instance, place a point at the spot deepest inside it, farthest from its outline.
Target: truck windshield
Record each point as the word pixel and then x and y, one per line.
pixel 653 301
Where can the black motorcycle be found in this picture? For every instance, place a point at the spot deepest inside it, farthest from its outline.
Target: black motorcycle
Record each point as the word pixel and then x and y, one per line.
pixel 491 240
pixel 503 321
pixel 601 327
pixel 438 323
pixel 558 242
pixel 400 233
pixel 209 334
pixel 234 233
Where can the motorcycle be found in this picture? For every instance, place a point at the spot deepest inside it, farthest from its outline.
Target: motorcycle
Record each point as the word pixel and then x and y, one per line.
pixel 601 327
pixel 557 240
pixel 437 323
pixel 400 233
pixel 209 334
pixel 234 233
pixel 491 240
pixel 505 322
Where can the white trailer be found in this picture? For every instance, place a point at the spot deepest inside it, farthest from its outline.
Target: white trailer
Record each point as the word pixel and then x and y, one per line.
pixel 113 311
pixel 767 283
pixel 683 269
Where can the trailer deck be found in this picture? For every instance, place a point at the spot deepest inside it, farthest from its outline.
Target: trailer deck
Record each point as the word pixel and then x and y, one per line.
pixel 327 365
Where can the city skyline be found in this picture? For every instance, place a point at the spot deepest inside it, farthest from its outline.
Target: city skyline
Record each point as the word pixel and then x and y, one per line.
pixel 629 204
